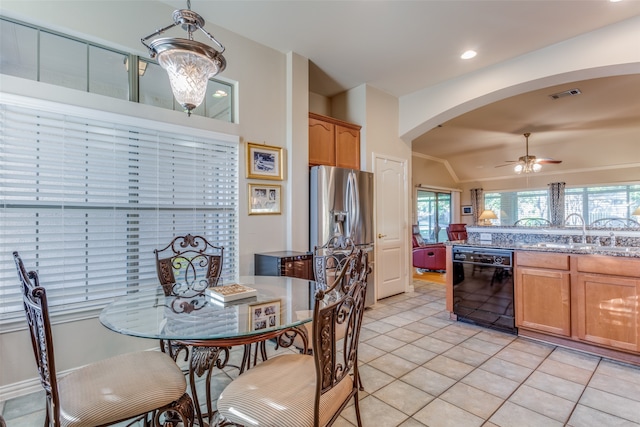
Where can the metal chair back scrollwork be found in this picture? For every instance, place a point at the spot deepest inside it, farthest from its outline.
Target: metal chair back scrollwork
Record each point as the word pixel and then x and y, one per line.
pixel 188 263
pixel 532 222
pixel 109 391
pixel 615 223
pixel 329 259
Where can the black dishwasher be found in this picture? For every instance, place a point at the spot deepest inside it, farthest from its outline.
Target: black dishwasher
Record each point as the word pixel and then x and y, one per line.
pixel 483 287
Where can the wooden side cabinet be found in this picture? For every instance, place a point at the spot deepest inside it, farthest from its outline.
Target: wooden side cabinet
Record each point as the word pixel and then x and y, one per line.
pixel 608 296
pixel 543 293
pixel 333 142
pixel 285 263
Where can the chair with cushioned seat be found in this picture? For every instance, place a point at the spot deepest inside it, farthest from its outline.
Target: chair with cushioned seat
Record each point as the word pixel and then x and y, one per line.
pixel 457 232
pixel 188 265
pixel 142 385
pixel 307 390
pixel 328 261
pixel 427 256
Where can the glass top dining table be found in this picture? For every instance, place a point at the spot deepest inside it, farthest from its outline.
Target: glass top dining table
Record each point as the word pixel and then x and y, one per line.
pixel 190 316
pixel 281 303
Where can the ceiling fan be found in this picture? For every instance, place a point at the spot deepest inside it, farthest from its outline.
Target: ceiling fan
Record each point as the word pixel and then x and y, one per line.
pixel 527 163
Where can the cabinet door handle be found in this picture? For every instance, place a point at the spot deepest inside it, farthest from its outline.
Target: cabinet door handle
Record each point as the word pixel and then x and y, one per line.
pixel 380 236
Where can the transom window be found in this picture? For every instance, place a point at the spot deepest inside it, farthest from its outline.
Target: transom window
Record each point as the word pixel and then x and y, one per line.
pixel 39 54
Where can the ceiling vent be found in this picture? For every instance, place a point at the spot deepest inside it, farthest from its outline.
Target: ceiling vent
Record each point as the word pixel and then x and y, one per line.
pixel 570 92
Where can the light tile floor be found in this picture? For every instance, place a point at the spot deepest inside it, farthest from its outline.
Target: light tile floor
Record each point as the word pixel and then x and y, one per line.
pixel 421 369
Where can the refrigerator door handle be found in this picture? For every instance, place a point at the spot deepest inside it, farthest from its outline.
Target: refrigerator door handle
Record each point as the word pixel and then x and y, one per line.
pixel 353 198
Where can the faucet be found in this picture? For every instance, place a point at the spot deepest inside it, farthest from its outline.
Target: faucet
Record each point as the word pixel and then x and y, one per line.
pixel 612 241
pixel 584 226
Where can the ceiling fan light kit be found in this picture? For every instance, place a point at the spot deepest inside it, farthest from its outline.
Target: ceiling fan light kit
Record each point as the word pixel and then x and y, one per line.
pixel 530 164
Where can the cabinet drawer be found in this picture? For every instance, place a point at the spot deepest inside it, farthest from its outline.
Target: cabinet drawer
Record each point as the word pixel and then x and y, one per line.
pixel 542 260
pixel 615 266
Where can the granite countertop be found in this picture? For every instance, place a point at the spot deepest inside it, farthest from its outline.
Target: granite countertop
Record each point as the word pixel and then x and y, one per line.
pixel 574 248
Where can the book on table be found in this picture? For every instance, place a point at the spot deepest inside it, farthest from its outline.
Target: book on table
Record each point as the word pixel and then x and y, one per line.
pixel 232 292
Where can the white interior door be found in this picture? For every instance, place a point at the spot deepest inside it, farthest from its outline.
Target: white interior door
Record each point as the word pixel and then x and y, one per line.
pixel 391 239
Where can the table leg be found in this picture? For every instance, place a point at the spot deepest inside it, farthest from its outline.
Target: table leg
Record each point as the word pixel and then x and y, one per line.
pixel 203 359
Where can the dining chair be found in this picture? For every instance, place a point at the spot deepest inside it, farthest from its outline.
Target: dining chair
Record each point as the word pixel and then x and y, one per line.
pixel 188 263
pixel 532 222
pixel 328 261
pixel 615 222
pixel 299 390
pixel 145 385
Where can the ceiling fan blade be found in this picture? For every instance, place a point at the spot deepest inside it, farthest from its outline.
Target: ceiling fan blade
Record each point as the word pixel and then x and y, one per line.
pixel 548 161
pixel 508 163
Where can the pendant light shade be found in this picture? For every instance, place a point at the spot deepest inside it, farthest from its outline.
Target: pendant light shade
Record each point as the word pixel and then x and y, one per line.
pixel 189 63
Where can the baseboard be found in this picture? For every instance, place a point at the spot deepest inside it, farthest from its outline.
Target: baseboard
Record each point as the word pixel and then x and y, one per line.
pixel 22 388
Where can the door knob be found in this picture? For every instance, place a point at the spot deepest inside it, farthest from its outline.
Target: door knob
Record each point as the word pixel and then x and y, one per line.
pixel 380 236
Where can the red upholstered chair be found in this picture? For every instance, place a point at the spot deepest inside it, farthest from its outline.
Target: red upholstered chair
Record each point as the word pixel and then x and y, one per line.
pixel 427 256
pixel 457 232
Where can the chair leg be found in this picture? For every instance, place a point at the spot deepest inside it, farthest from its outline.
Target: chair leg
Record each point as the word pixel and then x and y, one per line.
pixel 356 405
pixel 180 411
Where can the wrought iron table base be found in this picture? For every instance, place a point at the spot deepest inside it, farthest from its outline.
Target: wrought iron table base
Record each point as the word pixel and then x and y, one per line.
pixel 209 354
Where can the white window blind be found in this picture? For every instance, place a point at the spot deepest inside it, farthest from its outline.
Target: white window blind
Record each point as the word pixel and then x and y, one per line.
pixel 86 201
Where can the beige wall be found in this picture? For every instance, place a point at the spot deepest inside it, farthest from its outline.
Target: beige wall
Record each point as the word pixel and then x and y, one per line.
pixel 273 99
pixel 272 108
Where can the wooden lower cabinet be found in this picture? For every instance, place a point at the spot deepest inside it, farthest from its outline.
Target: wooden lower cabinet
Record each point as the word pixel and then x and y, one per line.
pixel 543 294
pixel 543 300
pixel 608 312
pixel 589 300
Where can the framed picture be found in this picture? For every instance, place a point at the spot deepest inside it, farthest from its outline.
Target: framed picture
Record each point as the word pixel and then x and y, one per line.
pixel 467 210
pixel 264 315
pixel 264 199
pixel 264 161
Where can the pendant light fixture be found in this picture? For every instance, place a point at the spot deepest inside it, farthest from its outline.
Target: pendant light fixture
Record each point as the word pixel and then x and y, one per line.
pixel 189 63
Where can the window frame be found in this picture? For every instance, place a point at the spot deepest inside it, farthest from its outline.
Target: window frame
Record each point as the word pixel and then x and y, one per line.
pixel 11 321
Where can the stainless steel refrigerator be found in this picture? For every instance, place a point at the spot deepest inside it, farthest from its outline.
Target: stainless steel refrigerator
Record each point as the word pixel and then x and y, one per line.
pixel 342 202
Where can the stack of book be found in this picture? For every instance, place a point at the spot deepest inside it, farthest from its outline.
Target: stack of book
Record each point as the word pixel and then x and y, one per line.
pixel 228 293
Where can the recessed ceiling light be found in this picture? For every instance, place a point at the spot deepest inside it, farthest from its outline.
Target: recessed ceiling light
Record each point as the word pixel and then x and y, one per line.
pixel 614 1
pixel 219 94
pixel 468 54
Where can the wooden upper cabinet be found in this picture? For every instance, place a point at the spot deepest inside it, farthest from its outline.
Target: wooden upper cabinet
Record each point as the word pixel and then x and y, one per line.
pixel 322 147
pixel 347 147
pixel 333 142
